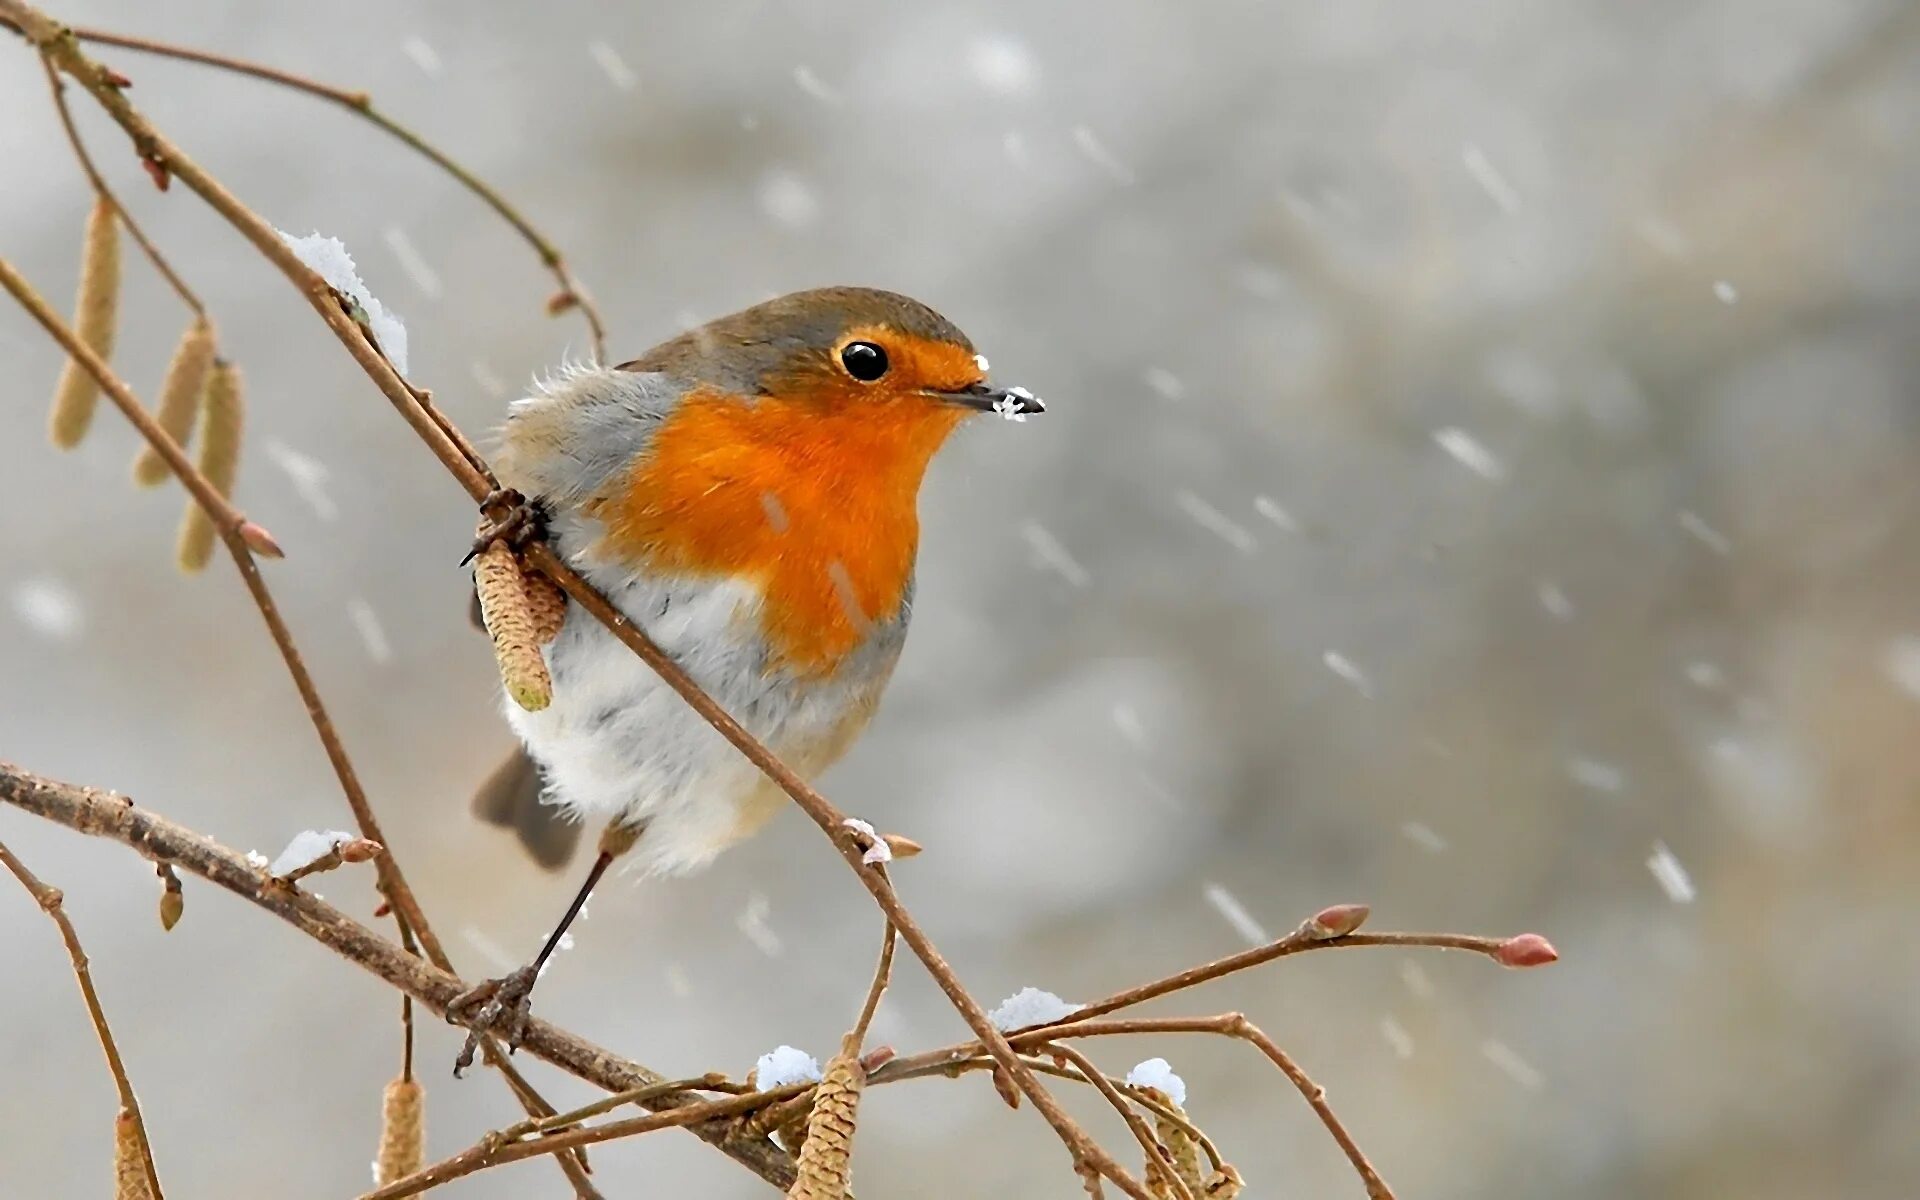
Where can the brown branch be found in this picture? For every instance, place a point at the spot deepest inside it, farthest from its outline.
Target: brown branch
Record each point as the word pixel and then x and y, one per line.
pixel 106 193
pixel 105 814
pixel 706 1083
pixel 981 1062
pixel 1521 950
pixel 1235 1025
pixel 51 901
pixel 1310 935
pixel 1238 1026
pixel 361 104
pixel 495 1151
pixel 1149 1144
pixel 882 975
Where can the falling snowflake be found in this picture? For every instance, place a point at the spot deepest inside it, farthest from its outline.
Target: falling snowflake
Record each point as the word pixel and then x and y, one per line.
pixel 1470 453
pixel 1228 905
pixel 1670 874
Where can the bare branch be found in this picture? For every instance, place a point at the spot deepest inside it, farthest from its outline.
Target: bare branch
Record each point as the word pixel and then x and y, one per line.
pixel 495 1150
pixel 50 901
pixel 882 974
pixel 1149 1145
pixel 104 814
pixel 361 104
pixel 106 193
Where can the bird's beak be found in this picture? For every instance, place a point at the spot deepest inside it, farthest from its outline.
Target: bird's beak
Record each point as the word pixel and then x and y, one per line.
pixel 1014 403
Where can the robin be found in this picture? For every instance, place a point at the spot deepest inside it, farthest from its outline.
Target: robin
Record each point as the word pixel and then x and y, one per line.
pixel 745 493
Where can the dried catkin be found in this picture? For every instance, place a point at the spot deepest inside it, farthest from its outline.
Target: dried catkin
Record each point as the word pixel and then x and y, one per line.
pixel 547 605
pixel 222 414
pixel 130 1181
pixel 510 622
pixel 1180 1144
pixel 403 1132
pixel 96 311
pixel 180 392
pixel 826 1157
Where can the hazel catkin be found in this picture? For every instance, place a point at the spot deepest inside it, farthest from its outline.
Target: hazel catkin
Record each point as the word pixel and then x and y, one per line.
pixel 512 624
pixel 403 1131
pixel 96 314
pixel 222 414
pixel 181 390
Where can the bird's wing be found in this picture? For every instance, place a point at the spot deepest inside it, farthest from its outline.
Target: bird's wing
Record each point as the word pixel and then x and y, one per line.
pixel 580 431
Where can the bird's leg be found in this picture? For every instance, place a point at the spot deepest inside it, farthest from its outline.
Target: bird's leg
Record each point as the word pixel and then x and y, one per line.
pixel 520 521
pixel 504 1005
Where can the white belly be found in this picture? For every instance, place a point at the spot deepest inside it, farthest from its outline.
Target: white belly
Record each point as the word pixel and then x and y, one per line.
pixel 617 742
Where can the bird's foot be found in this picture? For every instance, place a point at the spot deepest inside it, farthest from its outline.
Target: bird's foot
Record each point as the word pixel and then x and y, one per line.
pixel 510 518
pixel 499 1006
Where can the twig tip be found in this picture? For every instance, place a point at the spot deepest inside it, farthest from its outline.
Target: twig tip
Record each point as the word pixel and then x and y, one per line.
pixel 1525 950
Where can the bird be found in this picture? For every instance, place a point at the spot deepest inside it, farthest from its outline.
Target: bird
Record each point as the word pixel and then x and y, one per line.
pixel 745 493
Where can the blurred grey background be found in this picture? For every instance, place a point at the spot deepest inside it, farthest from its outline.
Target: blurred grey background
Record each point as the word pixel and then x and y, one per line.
pixel 1480 482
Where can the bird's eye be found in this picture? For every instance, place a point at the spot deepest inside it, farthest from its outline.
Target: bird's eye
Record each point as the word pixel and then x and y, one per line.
pixel 864 361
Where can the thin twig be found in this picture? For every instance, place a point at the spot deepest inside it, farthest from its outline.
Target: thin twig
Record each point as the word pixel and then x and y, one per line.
pixel 411 946
pixel 1297 942
pixel 494 1151
pixel 1236 1025
pixel 111 816
pixel 1149 1144
pixel 1302 939
pixel 361 104
pixel 981 1062
pixel 639 1095
pixel 51 900
pixel 882 974
pixel 100 188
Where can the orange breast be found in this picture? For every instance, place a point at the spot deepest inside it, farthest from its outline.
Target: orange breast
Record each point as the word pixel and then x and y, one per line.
pixel 816 504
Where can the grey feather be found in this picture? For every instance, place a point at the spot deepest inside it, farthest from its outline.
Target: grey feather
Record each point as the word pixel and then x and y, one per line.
pixel 510 799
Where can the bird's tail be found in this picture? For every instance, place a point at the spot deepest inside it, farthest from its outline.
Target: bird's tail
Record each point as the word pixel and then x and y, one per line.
pixel 510 799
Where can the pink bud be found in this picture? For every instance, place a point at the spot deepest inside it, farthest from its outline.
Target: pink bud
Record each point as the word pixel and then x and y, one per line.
pixel 260 541
pixel 1337 921
pixel 1525 950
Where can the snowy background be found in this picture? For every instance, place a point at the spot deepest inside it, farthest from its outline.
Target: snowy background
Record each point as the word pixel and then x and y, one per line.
pixel 1480 481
